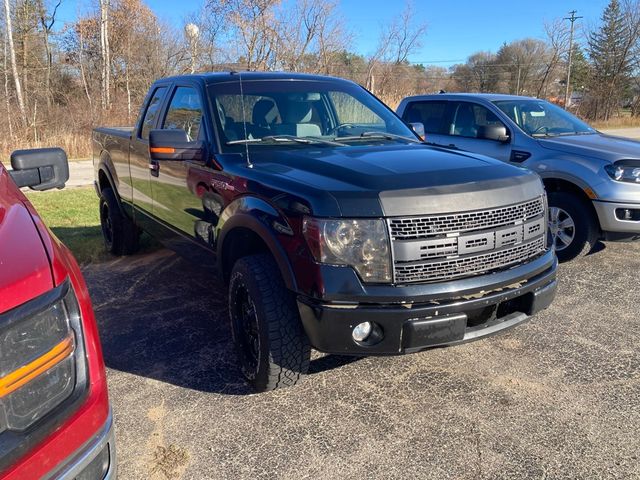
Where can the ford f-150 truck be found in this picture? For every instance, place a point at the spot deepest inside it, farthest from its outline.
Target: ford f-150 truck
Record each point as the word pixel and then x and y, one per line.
pixel 55 419
pixel 330 221
pixel 592 179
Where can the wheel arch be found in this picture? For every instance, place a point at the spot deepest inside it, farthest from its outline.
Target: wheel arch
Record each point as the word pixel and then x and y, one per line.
pixel 557 184
pixel 245 234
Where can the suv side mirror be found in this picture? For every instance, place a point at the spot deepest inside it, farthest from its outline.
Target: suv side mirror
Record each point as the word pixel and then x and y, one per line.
pixel 494 132
pixel 418 127
pixel 173 144
pixel 40 168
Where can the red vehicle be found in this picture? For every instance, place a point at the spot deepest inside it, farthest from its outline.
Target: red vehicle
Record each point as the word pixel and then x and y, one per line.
pixel 55 417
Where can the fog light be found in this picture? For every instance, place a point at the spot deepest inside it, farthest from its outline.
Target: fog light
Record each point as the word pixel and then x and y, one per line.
pixel 362 331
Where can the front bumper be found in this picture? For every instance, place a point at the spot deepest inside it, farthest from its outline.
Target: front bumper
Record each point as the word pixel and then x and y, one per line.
pixel 410 327
pixel 609 222
pixel 97 451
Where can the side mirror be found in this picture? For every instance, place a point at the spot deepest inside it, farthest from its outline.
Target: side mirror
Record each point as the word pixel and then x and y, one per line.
pixel 40 168
pixel 494 132
pixel 418 127
pixel 173 144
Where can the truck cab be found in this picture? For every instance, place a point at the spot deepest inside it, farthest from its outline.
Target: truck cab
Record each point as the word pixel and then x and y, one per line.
pixel 592 179
pixel 329 220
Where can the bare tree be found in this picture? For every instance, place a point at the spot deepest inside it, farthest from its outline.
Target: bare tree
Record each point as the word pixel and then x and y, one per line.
pixel 558 42
pixel 47 22
pixel 399 39
pixel 14 67
pixel 105 54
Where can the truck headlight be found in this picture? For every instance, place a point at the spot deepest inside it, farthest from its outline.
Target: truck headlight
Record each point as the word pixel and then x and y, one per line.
pixel 624 172
pixel 37 358
pixel 360 243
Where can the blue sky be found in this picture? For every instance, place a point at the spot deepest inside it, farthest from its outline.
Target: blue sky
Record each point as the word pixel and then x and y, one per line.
pixel 456 29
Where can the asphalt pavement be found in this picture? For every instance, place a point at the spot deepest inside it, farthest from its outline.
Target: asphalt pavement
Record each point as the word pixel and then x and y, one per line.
pixel 556 398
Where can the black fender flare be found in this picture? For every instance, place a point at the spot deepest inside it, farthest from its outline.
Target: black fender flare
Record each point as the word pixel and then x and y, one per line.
pixel 105 165
pixel 258 216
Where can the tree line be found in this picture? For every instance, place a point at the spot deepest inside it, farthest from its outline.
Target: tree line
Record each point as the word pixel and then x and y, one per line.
pixel 60 79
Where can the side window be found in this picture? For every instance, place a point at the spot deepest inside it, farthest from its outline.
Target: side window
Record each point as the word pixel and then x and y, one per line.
pixel 469 118
pixel 185 112
pixel 350 110
pixel 152 112
pixel 430 114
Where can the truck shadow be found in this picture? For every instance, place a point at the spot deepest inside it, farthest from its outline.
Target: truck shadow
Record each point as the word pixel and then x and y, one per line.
pixel 161 317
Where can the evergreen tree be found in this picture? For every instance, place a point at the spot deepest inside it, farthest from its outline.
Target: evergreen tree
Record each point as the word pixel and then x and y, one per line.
pixel 610 51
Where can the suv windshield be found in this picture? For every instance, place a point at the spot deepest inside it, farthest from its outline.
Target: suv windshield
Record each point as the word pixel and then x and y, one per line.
pixel 301 112
pixel 543 119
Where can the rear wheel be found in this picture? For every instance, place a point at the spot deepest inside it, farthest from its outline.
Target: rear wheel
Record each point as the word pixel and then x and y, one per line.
pixel 273 349
pixel 118 231
pixel 574 231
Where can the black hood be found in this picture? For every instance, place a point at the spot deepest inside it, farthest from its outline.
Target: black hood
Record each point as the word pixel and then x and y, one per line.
pixel 356 178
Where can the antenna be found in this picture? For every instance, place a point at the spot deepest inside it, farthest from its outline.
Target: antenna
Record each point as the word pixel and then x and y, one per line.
pixel 244 122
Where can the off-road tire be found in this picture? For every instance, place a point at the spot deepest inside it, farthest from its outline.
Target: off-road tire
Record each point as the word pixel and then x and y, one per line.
pixel 118 231
pixel 586 228
pixel 257 292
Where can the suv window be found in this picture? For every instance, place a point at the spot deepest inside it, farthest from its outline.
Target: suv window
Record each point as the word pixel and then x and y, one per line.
pixel 430 114
pixel 152 112
pixel 185 112
pixel 468 119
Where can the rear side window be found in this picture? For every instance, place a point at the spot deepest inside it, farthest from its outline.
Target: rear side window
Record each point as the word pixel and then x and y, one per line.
pixel 185 112
pixel 430 114
pixel 152 112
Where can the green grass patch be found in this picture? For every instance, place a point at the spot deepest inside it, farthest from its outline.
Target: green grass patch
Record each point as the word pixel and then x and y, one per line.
pixel 72 214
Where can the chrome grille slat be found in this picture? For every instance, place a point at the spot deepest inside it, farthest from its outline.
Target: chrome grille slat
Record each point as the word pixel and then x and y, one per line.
pixel 413 228
pixel 467 265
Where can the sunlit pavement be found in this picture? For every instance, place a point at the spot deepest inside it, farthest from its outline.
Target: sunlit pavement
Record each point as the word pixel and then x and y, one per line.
pixel 557 397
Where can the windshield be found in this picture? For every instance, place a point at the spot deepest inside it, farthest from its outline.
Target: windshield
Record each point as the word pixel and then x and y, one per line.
pixel 298 113
pixel 543 119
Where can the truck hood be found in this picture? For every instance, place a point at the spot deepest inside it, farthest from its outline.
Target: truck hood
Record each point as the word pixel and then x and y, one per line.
pixel 597 145
pixel 25 271
pixel 397 179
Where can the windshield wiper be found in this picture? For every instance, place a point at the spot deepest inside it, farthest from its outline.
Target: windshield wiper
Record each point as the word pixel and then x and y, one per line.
pixel 385 135
pixel 287 138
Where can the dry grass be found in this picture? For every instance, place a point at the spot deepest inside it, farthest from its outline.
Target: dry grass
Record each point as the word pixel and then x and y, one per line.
pixel 624 121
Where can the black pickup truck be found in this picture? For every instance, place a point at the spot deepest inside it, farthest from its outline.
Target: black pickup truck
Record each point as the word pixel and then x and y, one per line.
pixel 333 225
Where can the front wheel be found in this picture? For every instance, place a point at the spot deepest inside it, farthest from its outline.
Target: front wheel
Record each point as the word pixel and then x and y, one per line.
pixel 574 231
pixel 273 349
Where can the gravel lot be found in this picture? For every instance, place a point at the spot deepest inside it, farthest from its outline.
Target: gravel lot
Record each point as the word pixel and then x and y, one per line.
pixel 558 397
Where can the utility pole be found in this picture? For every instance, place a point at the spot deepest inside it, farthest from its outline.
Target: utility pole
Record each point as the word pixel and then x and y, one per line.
pixel 572 19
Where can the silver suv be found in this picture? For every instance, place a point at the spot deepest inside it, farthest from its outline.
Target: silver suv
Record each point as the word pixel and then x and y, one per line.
pixel 592 179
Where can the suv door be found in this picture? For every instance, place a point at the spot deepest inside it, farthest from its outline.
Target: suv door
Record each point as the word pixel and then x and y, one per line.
pixel 175 199
pixel 139 149
pixel 467 124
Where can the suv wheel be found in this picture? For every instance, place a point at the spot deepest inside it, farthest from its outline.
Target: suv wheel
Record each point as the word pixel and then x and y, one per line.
pixel 273 349
pixel 573 229
pixel 119 232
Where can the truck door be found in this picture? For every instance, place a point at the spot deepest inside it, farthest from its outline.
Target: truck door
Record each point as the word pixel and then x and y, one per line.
pixel 139 150
pixel 468 121
pixel 176 199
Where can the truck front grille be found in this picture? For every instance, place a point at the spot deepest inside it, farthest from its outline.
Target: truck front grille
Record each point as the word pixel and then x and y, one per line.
pixel 443 247
pixel 420 227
